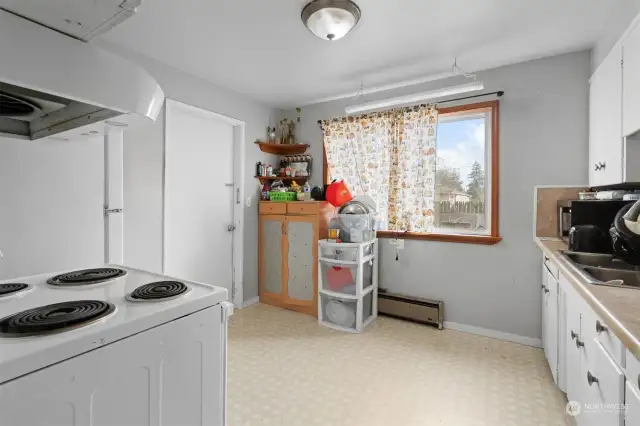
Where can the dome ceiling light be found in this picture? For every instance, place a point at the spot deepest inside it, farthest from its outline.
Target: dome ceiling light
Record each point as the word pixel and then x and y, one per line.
pixel 331 19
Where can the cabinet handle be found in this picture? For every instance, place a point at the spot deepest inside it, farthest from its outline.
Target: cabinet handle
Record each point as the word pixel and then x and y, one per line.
pixel 603 165
pixel 591 379
pixel 573 335
pixel 545 288
pixel 579 343
pixel 599 327
pixel 596 167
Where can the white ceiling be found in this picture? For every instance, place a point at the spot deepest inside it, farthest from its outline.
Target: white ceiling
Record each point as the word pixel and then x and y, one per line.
pixel 261 48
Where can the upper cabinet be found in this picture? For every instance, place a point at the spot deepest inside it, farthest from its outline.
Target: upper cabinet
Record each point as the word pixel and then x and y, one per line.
pixel 631 73
pixel 605 122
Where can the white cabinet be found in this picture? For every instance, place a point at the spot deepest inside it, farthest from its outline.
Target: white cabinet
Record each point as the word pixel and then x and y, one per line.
pixel 572 332
pixel 550 320
pixel 631 75
pixel 605 122
pixel 632 400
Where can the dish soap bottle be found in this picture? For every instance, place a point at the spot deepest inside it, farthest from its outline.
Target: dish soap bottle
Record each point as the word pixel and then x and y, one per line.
pixel 306 189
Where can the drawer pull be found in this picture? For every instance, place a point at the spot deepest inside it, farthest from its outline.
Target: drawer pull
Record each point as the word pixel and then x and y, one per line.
pixel 573 335
pixel 591 379
pixel 579 344
pixel 599 327
pixel 545 288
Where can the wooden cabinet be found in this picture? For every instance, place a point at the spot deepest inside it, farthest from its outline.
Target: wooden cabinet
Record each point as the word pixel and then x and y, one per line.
pixel 288 253
pixel 606 144
pixel 631 78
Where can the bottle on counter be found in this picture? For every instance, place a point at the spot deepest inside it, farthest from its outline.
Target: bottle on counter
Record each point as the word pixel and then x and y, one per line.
pixel 306 190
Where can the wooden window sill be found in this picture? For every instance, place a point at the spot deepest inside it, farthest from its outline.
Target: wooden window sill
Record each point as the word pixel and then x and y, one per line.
pixel 487 240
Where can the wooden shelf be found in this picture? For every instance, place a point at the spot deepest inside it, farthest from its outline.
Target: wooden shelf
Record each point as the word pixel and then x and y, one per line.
pixel 297 179
pixel 281 149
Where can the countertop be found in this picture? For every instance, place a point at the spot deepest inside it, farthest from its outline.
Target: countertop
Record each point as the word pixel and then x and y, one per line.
pixel 619 308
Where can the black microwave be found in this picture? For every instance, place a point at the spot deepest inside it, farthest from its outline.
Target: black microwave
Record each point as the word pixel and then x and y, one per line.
pixel 588 212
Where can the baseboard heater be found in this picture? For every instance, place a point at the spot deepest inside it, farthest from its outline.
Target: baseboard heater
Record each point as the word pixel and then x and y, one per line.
pixel 425 311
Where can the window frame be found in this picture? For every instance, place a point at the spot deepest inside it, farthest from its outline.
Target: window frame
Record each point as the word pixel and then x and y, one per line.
pixel 490 239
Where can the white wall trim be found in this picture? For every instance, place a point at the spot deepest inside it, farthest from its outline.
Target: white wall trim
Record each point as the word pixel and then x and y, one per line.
pixel 250 302
pixel 494 334
pixel 238 182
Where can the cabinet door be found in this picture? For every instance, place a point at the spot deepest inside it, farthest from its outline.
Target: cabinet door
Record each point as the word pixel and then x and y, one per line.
pixel 271 257
pixel 632 401
pixel 631 81
pixel 302 262
pixel 605 121
pixel 572 332
pixel 550 320
pixel 603 384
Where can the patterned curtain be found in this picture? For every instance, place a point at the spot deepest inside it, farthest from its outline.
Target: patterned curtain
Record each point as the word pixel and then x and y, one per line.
pixel 390 157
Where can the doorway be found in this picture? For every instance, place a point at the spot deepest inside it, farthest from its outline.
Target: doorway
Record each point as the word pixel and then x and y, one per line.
pixel 203 192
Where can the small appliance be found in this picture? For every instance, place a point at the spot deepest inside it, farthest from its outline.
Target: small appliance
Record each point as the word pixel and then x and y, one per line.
pixel 112 346
pixel 587 212
pixel 589 239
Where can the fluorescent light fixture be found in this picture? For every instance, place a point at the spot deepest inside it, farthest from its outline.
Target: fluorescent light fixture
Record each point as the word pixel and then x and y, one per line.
pixel 416 97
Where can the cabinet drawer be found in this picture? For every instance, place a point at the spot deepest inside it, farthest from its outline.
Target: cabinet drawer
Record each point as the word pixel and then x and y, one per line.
pixel 609 341
pixel 633 369
pixel 273 208
pixel 302 208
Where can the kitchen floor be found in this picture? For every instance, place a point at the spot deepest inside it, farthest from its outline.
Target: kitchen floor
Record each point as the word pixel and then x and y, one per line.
pixel 285 369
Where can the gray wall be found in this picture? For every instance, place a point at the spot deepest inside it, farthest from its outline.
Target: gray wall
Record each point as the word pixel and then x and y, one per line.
pixel 543 141
pixel 143 160
pixel 51 200
pixel 614 27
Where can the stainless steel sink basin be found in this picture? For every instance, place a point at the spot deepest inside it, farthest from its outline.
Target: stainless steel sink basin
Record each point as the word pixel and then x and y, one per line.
pixel 625 278
pixel 598 260
pixel 604 269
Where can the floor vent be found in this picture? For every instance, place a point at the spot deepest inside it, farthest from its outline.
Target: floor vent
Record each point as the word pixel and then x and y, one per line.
pixel 415 309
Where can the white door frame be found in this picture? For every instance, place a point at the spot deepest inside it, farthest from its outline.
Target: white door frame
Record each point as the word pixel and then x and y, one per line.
pixel 236 295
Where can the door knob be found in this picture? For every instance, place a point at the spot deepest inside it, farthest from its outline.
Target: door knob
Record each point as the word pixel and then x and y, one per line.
pixel 603 165
pixel 231 228
pixel 596 167
pixel 591 379
pixel 579 343
pixel 573 335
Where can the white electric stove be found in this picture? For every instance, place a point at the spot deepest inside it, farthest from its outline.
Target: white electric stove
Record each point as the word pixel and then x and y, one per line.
pixel 112 346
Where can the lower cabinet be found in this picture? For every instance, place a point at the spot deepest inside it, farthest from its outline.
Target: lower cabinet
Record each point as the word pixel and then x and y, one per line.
pixel 288 256
pixel 550 320
pixel 632 401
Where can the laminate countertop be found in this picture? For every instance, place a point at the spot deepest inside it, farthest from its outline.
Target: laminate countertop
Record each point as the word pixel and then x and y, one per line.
pixel 619 308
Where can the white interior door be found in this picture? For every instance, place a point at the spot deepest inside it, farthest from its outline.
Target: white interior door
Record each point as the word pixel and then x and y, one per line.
pixel 199 196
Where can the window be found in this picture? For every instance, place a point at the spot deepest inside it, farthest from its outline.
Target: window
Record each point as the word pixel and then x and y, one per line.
pixel 460 201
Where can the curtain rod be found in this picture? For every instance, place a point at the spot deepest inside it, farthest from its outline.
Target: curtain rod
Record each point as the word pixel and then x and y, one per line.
pixel 498 93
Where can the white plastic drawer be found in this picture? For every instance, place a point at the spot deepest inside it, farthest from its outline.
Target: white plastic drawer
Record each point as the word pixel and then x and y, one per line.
pixel 344 252
pixel 343 313
pixel 343 278
pixel 633 369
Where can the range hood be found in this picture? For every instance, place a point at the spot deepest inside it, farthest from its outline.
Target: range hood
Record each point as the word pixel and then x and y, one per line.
pixel 57 87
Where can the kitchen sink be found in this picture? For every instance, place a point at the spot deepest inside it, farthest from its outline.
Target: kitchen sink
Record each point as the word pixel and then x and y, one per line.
pixel 598 260
pixel 604 269
pixel 615 277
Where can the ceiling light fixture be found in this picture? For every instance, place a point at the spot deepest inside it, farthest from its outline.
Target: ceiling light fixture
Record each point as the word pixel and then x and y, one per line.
pixel 330 19
pixel 416 97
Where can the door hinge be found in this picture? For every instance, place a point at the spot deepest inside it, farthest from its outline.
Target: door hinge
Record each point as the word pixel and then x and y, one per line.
pixel 108 211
